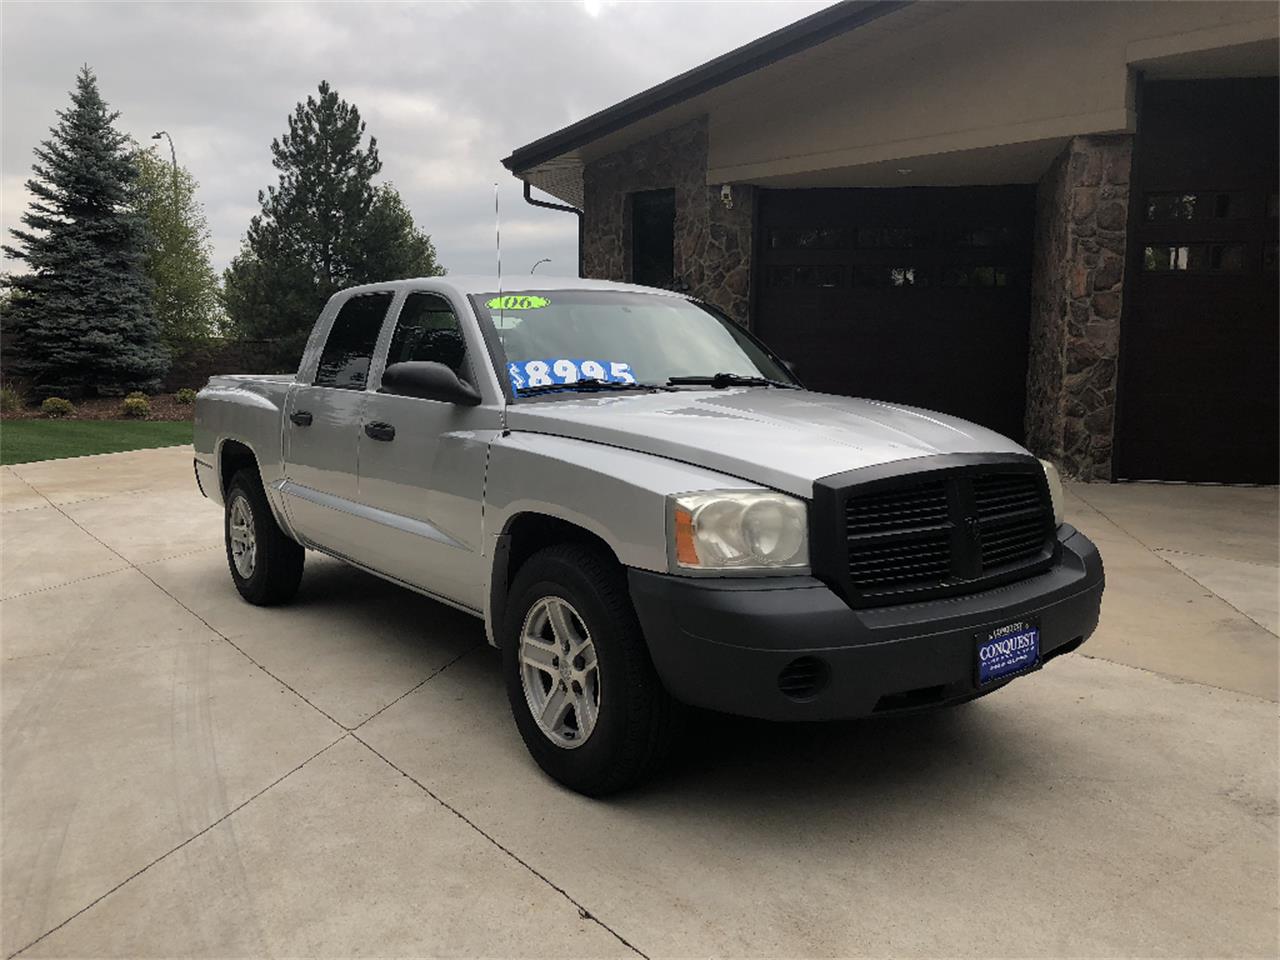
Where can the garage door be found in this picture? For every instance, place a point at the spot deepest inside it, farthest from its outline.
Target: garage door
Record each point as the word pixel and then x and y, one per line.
pixel 1200 338
pixel 917 295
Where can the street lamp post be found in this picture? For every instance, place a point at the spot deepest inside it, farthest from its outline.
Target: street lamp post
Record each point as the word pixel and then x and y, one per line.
pixel 173 156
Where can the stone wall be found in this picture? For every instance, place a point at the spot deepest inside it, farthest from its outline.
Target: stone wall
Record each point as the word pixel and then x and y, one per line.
pixel 1082 211
pixel 712 242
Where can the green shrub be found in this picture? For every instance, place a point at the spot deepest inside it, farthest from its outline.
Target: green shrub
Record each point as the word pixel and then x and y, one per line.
pixel 135 395
pixel 185 396
pixel 136 405
pixel 57 407
pixel 12 399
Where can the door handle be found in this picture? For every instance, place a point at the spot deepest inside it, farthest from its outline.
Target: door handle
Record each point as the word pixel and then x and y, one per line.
pixel 301 417
pixel 380 431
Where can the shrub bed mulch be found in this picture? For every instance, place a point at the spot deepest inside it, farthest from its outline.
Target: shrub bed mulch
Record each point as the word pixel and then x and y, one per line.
pixel 163 407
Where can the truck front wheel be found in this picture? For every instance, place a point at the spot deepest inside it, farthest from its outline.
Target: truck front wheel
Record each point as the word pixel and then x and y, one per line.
pixel 266 565
pixel 583 691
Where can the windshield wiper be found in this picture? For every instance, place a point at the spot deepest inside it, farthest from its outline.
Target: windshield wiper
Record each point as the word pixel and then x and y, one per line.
pixel 589 384
pixel 722 380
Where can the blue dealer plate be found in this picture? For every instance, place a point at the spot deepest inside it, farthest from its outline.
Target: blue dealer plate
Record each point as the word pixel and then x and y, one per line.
pixel 1007 650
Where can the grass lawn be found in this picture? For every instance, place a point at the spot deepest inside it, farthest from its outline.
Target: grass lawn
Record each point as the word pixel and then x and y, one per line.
pixel 22 441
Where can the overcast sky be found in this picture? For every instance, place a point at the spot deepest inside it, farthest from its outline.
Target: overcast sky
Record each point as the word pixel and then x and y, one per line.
pixel 447 88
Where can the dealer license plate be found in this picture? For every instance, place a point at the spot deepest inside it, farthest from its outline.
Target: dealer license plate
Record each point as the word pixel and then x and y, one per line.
pixel 1007 650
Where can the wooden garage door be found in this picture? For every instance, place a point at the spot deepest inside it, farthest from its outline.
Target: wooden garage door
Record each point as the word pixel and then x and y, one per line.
pixel 1201 335
pixel 917 295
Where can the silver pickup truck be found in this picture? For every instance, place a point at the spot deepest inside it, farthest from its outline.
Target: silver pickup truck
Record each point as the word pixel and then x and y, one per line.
pixel 647 510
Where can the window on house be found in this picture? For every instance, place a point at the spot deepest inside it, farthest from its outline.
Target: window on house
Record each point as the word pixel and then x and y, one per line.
pixel 344 362
pixel 653 237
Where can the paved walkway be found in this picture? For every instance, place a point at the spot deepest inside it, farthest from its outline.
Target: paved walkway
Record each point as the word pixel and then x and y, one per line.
pixel 187 775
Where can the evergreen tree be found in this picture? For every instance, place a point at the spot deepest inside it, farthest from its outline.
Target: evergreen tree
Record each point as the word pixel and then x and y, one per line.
pixel 81 317
pixel 186 299
pixel 324 226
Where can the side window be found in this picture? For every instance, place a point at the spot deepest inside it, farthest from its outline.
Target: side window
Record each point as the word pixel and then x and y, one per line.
pixel 344 363
pixel 429 330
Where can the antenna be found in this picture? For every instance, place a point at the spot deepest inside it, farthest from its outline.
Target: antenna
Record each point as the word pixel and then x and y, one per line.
pixel 497 238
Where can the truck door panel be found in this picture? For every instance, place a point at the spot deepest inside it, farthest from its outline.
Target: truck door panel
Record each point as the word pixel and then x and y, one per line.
pixel 425 482
pixel 322 426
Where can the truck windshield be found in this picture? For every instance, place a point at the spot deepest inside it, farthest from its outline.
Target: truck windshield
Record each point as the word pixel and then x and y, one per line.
pixel 552 339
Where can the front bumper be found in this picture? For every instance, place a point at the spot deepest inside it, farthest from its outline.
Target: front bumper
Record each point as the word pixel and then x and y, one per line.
pixel 725 644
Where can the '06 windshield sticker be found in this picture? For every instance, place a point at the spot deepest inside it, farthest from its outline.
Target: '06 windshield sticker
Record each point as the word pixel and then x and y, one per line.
pixel 517 301
pixel 528 374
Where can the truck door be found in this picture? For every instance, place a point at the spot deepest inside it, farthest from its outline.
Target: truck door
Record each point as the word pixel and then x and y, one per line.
pixel 422 463
pixel 322 426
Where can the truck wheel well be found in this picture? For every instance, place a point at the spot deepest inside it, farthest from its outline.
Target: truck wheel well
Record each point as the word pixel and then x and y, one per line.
pixel 530 532
pixel 234 456
pixel 525 535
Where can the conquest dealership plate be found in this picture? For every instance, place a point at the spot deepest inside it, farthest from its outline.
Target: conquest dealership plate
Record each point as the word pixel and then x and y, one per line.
pixel 1007 650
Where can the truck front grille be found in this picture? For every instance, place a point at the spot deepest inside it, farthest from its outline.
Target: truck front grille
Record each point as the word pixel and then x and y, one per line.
pixel 935 532
pixel 1012 518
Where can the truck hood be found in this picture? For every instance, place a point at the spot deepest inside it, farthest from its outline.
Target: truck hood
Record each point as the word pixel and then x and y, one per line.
pixel 784 439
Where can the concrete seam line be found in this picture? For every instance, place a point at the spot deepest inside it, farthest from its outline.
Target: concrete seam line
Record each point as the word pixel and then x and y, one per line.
pixel 1172 677
pixel 68 583
pixel 1165 560
pixel 417 686
pixel 194 836
pixel 211 627
pixel 240 650
pixel 582 911
pixel 1207 556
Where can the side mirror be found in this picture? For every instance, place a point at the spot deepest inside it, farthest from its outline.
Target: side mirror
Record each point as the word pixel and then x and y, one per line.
pixel 428 380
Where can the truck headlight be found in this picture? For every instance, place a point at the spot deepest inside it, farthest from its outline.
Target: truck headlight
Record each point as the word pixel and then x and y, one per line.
pixel 1055 491
pixel 738 530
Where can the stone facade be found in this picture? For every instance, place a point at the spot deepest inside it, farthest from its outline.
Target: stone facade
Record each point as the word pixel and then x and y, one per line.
pixel 1082 212
pixel 712 242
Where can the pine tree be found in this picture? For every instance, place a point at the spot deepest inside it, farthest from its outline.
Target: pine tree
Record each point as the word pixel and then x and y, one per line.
pixel 81 317
pixel 186 298
pixel 323 227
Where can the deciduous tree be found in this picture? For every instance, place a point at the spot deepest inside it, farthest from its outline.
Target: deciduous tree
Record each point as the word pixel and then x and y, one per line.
pixel 186 297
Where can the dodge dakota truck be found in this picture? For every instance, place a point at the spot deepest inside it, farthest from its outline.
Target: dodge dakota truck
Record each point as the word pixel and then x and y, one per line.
pixel 647 510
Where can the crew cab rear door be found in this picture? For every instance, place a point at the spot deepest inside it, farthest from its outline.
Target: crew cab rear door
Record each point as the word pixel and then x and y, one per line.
pixel 422 462
pixel 322 428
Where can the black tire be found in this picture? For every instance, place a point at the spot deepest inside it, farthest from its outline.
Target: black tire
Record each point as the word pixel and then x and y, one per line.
pixel 277 564
pixel 637 719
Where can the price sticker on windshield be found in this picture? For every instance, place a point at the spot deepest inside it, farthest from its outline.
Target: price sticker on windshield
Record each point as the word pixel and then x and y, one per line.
pixel 531 374
pixel 517 301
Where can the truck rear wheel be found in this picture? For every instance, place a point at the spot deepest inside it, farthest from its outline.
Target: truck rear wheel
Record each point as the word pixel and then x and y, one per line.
pixel 265 564
pixel 585 696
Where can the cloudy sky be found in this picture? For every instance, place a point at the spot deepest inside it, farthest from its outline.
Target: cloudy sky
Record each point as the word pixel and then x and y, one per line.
pixel 447 88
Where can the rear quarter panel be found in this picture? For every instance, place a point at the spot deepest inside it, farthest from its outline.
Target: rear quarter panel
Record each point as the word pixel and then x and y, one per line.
pixel 248 410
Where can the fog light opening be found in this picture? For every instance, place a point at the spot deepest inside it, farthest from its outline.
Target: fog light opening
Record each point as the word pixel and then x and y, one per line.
pixel 804 678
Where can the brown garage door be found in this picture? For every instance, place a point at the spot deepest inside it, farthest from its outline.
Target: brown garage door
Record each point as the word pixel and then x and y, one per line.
pixel 916 295
pixel 1200 338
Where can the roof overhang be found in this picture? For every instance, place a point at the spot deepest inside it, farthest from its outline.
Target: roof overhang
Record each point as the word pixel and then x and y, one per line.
pixel 554 163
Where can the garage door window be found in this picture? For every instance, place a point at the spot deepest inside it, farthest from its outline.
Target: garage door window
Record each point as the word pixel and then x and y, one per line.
pixel 1194 258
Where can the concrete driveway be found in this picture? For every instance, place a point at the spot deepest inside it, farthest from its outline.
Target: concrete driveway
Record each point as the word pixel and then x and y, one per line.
pixel 187 775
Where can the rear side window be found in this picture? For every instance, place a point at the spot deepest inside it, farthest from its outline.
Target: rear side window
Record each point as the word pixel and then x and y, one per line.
pixel 428 329
pixel 345 361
